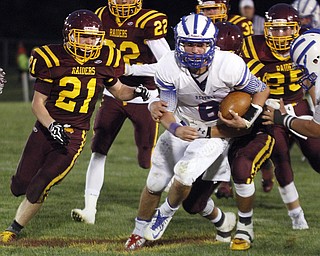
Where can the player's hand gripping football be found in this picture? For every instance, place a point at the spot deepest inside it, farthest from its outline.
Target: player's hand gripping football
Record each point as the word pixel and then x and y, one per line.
pixel 236 121
pixel 2 79
pixel 57 132
pixel 142 92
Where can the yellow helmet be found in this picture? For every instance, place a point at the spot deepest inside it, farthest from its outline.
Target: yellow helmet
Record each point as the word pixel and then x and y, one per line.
pixel 220 7
pixel 281 27
pixel 83 24
pixel 126 10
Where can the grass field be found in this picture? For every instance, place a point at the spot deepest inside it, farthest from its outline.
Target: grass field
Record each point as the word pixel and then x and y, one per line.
pixel 53 232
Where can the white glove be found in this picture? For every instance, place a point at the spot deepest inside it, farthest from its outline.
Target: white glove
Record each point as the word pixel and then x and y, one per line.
pixel 202 129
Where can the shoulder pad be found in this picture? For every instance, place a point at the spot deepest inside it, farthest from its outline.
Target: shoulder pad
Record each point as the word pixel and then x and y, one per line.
pixel 145 16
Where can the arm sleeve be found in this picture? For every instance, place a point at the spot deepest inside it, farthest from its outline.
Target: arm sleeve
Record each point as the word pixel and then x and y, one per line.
pixel 316 115
pixel 158 47
pixel 168 94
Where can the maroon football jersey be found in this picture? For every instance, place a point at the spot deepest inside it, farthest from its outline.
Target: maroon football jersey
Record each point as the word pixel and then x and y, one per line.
pixel 278 73
pixel 130 38
pixel 73 88
pixel 243 23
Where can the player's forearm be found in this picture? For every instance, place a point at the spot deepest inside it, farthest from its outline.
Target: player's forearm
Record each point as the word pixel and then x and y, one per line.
pixel 308 128
pixel 260 98
pixel 40 111
pixel 223 131
pixel 141 70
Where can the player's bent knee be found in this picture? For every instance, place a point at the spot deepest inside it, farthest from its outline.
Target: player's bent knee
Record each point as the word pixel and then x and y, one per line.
pixel 245 190
pixel 182 175
pixel 157 182
pixel 18 187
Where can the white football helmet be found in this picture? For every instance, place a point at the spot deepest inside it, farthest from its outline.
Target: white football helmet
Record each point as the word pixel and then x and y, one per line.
pixel 305 53
pixel 308 8
pixel 195 28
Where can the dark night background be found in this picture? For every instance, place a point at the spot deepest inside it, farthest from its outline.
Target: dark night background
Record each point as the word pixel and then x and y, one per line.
pixel 37 22
pixel 43 19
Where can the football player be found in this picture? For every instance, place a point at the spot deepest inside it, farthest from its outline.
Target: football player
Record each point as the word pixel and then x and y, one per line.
pixel 188 79
pixel 246 156
pixel 309 13
pixel 69 78
pixel 2 80
pixel 218 10
pixel 305 54
pixel 269 55
pixel 140 36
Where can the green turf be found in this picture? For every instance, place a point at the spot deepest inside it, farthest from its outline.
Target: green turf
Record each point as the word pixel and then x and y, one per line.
pixel 52 232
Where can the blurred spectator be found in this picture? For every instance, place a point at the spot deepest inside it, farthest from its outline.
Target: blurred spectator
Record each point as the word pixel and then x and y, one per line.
pixel 23 67
pixel 309 13
pixel 247 9
pixel 22 58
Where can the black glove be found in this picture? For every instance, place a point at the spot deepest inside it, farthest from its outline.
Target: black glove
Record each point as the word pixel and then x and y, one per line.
pixel 57 132
pixel 283 119
pixel 142 92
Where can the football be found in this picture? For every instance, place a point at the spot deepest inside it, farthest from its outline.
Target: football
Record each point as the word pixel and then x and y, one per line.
pixel 238 101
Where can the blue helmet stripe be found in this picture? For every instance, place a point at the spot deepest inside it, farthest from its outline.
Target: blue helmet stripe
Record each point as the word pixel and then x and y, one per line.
pixel 296 44
pixel 195 24
pixel 206 27
pixel 184 25
pixel 305 51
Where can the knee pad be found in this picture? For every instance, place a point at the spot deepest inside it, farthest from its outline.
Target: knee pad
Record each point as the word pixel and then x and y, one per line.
pixel 289 193
pixel 182 175
pixel 245 190
pixel 157 182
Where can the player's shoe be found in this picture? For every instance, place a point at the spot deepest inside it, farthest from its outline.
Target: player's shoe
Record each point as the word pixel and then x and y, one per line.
pixel 157 226
pixel 134 242
pixel 243 238
pixel 85 216
pixel 7 237
pixel 224 231
pixel 224 190
pixel 298 221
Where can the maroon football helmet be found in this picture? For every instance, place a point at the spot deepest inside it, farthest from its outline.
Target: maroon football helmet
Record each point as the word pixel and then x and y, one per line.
pixel 230 37
pixel 216 10
pixel 281 27
pixel 83 35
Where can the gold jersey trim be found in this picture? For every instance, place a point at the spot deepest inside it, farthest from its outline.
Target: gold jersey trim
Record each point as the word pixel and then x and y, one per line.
pixel 66 171
pixel 141 21
pixel 261 157
pixel 236 19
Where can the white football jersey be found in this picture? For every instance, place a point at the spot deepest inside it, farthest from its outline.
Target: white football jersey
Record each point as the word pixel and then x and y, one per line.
pixel 226 73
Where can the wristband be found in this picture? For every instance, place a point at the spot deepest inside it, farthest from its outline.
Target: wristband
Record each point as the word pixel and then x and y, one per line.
pixel 284 120
pixel 287 121
pixel 173 127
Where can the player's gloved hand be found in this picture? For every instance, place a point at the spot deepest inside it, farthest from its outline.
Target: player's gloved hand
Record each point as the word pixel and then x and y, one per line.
pixel 57 132
pixel 142 92
pixel 2 79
